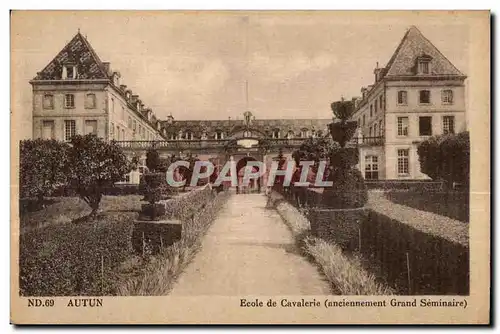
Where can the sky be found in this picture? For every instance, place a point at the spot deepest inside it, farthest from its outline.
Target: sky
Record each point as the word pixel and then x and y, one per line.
pixel 195 65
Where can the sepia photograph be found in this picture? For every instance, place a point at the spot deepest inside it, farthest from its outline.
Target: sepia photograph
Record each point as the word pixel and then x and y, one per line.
pixel 250 167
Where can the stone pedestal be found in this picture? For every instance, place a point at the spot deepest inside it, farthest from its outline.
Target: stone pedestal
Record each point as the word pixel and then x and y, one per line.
pixel 150 236
pixel 152 211
pixel 341 226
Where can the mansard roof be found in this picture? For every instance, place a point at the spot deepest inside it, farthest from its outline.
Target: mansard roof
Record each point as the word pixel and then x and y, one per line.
pixel 415 45
pixel 77 52
pixel 232 126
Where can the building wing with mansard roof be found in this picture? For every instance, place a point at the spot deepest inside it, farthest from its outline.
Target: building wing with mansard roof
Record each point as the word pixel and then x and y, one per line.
pixel 221 129
pixel 77 81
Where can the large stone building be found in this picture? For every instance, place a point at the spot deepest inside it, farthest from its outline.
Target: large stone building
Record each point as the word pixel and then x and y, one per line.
pixel 77 93
pixel 418 94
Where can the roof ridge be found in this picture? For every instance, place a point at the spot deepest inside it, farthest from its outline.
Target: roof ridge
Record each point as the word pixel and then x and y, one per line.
pixel 412 41
pixel 439 51
pixel 93 52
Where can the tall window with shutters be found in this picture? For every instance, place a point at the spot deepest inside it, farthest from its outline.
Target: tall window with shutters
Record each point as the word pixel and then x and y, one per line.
pixel 448 124
pixel 402 97
pixel 403 126
pixel 69 129
pixel 403 162
pixel 69 100
pixel 371 167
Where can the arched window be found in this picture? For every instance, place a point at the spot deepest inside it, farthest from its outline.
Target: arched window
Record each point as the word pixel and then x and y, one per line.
pixel 275 133
pixel 219 134
pixel 304 133
pixel 290 135
pixel 247 134
pixel 188 135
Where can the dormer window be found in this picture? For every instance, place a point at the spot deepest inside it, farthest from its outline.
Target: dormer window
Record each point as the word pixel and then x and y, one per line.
pixel 424 64
pixel 69 72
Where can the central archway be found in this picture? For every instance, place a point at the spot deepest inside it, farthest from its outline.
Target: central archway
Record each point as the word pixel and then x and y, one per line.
pixel 254 184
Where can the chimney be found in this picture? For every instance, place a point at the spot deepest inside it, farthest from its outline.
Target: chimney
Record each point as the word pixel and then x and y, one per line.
pixel 377 71
pixel 363 92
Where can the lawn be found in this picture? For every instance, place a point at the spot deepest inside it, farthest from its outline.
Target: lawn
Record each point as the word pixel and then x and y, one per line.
pixel 452 204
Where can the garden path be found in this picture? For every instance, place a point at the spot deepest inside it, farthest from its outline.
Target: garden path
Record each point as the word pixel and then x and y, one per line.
pixel 249 251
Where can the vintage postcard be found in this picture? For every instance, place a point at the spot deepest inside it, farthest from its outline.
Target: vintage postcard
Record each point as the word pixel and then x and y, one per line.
pixel 250 167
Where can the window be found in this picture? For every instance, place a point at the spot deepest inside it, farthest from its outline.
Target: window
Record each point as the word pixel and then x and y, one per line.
pixel 91 127
pixel 371 110
pixel 48 101
pixel 123 113
pixel 375 130
pixel 90 101
pixel 448 124
pixel 112 131
pixel 69 129
pixel 69 72
pixel 123 134
pixel 134 125
pixel 402 126
pixel 276 133
pixel 425 96
pixel 304 133
pixel 380 127
pixel 219 135
pixel 425 125
pixel 117 133
pixel 48 130
pixel 189 135
pixel 371 167
pixel 129 123
pixel 423 67
pixel 359 121
pixel 402 97
pixel 364 120
pixel 370 135
pixel 381 101
pixel 69 100
pixel 139 130
pixel 290 135
pixel 447 96
pixel 403 163
pixel 112 105
pixel 376 106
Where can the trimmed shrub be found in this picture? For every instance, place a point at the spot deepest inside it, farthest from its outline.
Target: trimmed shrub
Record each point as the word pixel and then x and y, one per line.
pixel 446 157
pixel 348 191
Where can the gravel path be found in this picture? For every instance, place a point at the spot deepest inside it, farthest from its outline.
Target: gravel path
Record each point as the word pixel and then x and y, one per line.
pixel 427 222
pixel 249 251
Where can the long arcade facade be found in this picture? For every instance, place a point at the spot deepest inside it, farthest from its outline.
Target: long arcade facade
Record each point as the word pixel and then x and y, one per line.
pixel 418 94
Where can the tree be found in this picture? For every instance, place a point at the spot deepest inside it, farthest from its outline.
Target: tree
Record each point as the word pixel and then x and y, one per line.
pixel 41 167
pixel 94 165
pixel 315 149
